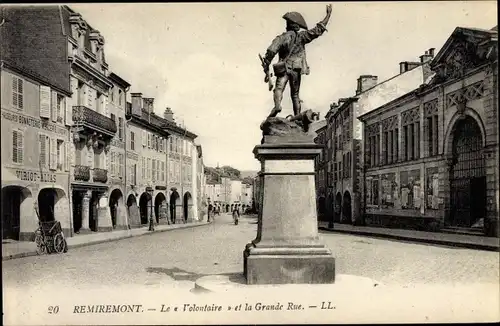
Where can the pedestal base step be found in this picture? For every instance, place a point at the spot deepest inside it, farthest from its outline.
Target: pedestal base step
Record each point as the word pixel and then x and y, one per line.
pixel 289 269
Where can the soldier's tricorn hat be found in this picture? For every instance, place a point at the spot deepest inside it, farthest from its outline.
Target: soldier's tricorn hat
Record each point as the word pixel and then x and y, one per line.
pixel 296 18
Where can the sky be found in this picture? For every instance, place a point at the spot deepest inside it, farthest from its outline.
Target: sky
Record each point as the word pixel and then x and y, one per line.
pixel 201 59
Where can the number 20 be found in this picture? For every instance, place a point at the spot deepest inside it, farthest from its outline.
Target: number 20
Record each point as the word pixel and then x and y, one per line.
pixel 53 309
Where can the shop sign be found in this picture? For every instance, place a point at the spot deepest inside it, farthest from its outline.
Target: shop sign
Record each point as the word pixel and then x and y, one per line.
pixel 31 176
pixel 34 122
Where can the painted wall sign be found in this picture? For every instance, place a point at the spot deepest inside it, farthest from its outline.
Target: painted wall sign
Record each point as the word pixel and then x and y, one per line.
pixel 132 156
pixel 34 122
pixel 26 175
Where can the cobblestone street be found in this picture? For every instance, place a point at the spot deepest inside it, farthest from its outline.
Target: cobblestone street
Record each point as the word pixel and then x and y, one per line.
pixel 179 257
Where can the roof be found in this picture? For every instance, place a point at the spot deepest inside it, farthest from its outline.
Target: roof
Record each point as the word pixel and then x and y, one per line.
pixel 460 32
pixel 317 125
pixel 120 81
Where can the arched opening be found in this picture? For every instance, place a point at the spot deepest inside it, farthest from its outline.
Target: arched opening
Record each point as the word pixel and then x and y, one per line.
pixel 232 207
pixel 188 204
pixel 160 206
pixel 467 175
pixel 329 210
pixel 132 210
pixel 77 200
pixel 114 200
pixel 13 198
pixel 144 207
pixel 346 208
pixel 46 204
pixel 227 208
pixel 321 207
pixel 174 196
pixel 337 212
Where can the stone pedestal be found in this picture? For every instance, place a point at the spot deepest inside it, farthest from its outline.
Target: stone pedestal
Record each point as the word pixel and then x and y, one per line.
pixel 85 228
pixel 287 249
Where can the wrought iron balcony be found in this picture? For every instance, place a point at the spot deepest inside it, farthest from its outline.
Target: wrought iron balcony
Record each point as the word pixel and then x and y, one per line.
pixel 100 175
pixel 82 173
pixel 94 121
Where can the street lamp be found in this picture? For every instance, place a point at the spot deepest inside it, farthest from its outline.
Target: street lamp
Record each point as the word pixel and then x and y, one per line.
pixel 151 221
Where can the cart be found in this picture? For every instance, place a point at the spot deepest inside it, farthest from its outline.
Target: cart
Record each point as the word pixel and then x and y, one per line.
pixel 49 238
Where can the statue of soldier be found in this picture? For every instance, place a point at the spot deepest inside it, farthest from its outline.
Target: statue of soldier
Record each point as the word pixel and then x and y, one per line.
pixel 292 64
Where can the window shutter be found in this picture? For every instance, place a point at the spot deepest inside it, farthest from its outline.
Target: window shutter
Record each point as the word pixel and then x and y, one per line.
pixel 144 136
pixel 68 119
pixel 67 156
pixel 53 106
pixel 20 147
pixel 45 102
pixel 90 97
pixel 112 170
pixel 14 146
pixel 53 153
pixel 42 151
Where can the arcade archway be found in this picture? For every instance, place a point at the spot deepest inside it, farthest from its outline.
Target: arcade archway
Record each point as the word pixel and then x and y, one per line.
pixel 115 199
pixel 188 206
pixel 160 206
pixel 174 196
pixel 144 207
pixel 467 174
pixel 337 208
pixel 14 202
pixel 346 208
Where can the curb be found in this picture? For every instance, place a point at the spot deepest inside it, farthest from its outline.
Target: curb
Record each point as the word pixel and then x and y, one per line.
pixel 475 246
pixel 78 245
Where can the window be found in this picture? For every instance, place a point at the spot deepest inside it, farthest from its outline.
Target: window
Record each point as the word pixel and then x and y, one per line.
pixel 60 107
pixel 149 140
pixel 153 169
pixel 122 165
pixel 143 168
pixel 120 128
pixel 158 170
pixel 113 117
pixel 112 94
pixel 432 131
pixel 411 134
pixel 60 144
pixel 17 93
pixel 171 144
pixel 149 168
pixel 162 171
pixel 112 163
pixel 132 140
pixel 17 146
pixel 98 106
pixel 133 174
pixel 120 97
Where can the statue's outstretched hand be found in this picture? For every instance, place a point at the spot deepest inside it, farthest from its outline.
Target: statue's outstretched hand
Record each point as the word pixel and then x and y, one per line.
pixel 328 9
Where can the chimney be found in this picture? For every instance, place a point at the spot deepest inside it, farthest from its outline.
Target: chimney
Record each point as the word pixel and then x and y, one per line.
pixel 365 82
pixel 427 56
pixel 148 104
pixel 168 115
pixel 136 103
pixel 407 66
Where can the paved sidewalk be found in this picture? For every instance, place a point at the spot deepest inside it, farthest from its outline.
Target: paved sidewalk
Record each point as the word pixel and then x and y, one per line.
pixel 438 238
pixel 19 249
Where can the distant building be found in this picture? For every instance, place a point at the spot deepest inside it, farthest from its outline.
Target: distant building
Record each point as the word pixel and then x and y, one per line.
pixel 320 167
pixel 344 138
pixel 432 155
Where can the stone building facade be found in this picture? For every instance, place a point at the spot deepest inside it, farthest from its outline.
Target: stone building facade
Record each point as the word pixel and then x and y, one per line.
pixel 72 156
pixel 432 155
pixel 35 143
pixel 344 136
pixel 321 170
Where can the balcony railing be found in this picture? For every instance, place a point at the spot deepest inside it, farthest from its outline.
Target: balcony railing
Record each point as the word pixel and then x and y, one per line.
pixel 82 115
pixel 100 175
pixel 82 173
